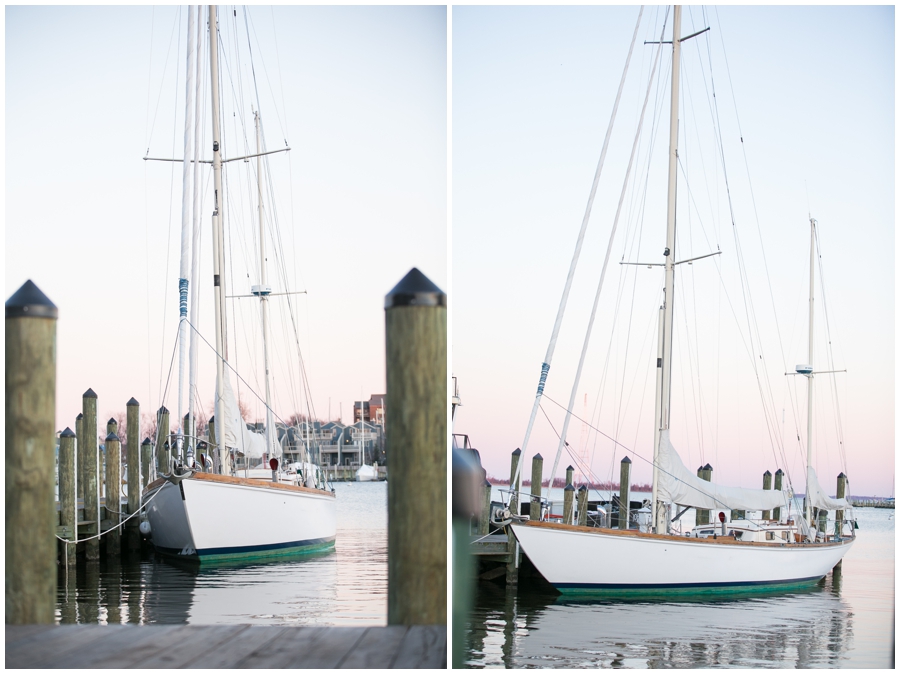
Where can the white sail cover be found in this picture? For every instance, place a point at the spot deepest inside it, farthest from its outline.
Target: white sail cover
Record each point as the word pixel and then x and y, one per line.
pixel 817 496
pixel 679 485
pixel 236 434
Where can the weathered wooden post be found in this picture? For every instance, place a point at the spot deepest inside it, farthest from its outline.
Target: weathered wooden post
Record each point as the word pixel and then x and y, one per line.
pixel 570 475
pixel 68 515
pixel 779 477
pixel 822 526
pixel 582 505
pixel 146 460
pixel 485 522
pixel 467 498
pixel 162 441
pixel 213 451
pixel 537 477
pixel 113 494
pixel 568 504
pixel 839 515
pixel 624 492
pixel 416 368
pixel 512 545
pixel 91 475
pixel 767 484
pixel 80 461
pixel 133 462
pixel 31 518
pixel 703 515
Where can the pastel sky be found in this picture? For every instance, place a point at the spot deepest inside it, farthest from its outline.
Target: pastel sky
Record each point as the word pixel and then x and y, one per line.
pixel 813 133
pixel 359 94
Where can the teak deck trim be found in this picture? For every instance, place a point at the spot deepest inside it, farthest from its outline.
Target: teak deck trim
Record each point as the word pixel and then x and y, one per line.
pixel 721 540
pixel 244 481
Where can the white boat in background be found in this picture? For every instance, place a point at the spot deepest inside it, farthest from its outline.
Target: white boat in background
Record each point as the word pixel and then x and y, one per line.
pixel 367 473
pixel 213 511
pixel 743 555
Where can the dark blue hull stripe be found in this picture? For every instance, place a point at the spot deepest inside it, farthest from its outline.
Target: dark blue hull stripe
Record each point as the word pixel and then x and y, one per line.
pixel 251 549
pixel 675 586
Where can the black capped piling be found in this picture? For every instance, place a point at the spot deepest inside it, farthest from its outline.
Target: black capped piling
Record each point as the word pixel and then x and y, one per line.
pixel 133 463
pixel 80 461
pixel 162 441
pixel 624 491
pixel 146 461
pixel 570 475
pixel 91 476
pixel 839 515
pixel 113 495
pixel 31 518
pixel 68 515
pixel 416 368
pixel 767 484
pixel 704 473
pixel 779 478
pixel 582 505
pixel 537 476
pixel 568 503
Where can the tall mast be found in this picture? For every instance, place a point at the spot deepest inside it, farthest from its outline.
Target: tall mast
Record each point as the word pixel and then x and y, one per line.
pixel 263 290
pixel 664 388
pixel 218 237
pixel 809 377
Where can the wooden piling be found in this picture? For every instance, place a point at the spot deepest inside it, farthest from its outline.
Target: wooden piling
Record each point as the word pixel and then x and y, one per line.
pixel 779 477
pixel 822 521
pixel 582 505
pixel 80 461
pixel 568 504
pixel 624 492
pixel 214 455
pixel 146 460
pixel 162 441
pixel 570 475
pixel 91 475
pixel 133 463
pixel 839 515
pixel 537 477
pixel 704 473
pixel 113 494
pixel 31 518
pixel 416 369
pixel 68 515
pixel 512 545
pixel 485 520
pixel 767 484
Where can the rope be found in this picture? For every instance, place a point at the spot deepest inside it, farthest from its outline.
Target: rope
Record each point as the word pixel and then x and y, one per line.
pixel 120 524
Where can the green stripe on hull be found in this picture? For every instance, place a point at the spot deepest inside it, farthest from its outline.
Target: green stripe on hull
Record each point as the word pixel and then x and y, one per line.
pixel 237 557
pixel 685 591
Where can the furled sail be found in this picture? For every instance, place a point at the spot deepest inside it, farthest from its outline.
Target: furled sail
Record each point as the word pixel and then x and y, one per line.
pixel 236 434
pixel 817 496
pixel 679 485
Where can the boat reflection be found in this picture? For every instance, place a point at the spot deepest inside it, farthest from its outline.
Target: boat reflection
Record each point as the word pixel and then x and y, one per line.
pixel 812 627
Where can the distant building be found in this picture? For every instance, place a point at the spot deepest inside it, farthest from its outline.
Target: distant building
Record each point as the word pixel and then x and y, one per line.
pixel 372 410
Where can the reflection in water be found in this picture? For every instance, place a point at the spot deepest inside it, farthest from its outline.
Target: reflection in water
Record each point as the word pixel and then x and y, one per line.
pixel 843 621
pixel 345 587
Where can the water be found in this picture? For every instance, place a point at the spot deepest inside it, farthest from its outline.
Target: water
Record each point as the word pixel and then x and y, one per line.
pixel 345 587
pixel 845 621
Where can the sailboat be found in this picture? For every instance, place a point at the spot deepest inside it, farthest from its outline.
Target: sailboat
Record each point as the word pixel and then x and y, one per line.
pixel 742 555
pixel 210 511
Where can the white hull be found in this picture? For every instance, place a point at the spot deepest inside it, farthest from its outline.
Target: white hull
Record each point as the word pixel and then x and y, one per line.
pixel 366 474
pixel 220 519
pixel 582 560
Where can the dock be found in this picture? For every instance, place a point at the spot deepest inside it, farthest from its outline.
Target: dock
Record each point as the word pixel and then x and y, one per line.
pixel 225 646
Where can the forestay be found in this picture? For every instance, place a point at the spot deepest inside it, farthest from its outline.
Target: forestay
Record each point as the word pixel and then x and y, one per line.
pixel 679 485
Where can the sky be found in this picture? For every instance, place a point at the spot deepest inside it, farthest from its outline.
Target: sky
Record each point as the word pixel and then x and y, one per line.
pixel 805 104
pixel 360 96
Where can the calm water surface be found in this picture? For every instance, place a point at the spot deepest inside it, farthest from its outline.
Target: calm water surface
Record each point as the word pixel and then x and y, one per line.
pixel 345 587
pixel 845 621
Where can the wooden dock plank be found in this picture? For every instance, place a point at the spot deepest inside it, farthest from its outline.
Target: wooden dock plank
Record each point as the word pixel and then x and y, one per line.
pixel 376 649
pixel 224 646
pixel 121 647
pixel 227 655
pixel 425 647
pixel 31 650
